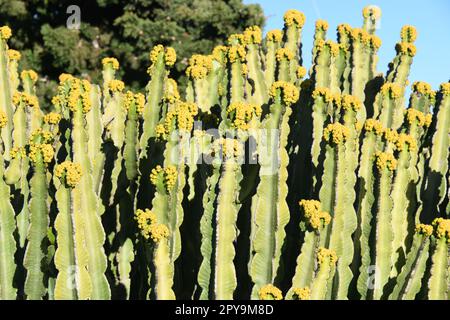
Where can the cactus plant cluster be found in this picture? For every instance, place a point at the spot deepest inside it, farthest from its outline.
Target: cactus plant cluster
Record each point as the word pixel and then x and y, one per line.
pixel 264 180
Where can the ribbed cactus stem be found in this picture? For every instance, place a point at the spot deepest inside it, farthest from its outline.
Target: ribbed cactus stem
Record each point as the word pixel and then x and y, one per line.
pixel 5 99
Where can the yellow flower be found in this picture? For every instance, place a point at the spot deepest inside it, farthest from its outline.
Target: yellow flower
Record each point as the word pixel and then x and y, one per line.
pixel 390 135
pixel 52 118
pixel 270 292
pixel 375 42
pixel 445 88
pixel 321 25
pixel 332 46
pixel 5 32
pixel 302 293
pixel 405 142
pixel 3 119
pixel 220 53
pixel 27 99
pixel 18 152
pixel 63 77
pixel 301 72
pixel 14 55
pixel 312 213
pixel 442 228
pixel 29 74
pixel 253 35
pixel 45 150
pixel 237 52
pixel 361 35
pixel 423 88
pixel 284 53
pixel 69 173
pixel 324 93
pixel 168 176
pixel 294 17
pixel 242 114
pixel 408 34
pixel 324 254
pixel 111 62
pixel 199 66
pixel 385 160
pixel 344 29
pixel 158 232
pixel 392 90
pixel 170 55
pixel 116 85
pixel 274 35
pixel 336 133
pixel 148 226
pixel 406 48
pixel 424 229
pixel 350 102
pixel 287 91
pixel 413 115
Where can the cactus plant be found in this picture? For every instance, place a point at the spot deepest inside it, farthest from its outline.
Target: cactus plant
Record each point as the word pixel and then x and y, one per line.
pixel 254 183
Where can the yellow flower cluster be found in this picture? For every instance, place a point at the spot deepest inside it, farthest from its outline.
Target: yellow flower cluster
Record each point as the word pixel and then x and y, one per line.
pixel 284 53
pixel 170 56
pixel 29 74
pixel 181 118
pixel 44 149
pixel 423 88
pixel 63 77
pixel 288 92
pixel 406 48
pixel 18 152
pixel 408 34
pixel 302 293
pixel 243 113
pixel 405 142
pixel 385 160
pixel 3 119
pixel 69 172
pixel 374 125
pixel 442 228
pixel 219 53
pixel 40 135
pixel 344 29
pixel 372 11
pixel 325 93
pixel 237 52
pixel 423 120
pixel 79 93
pixel 168 176
pixel 270 292
pixel 27 99
pixel 199 66
pixel 424 229
pixel 390 135
pixel 294 17
pixel 349 102
pixel 52 118
pixel 274 35
pixel 253 35
pixel 332 46
pixel 375 42
pixel 323 254
pixel 227 147
pixel 445 88
pixel 171 94
pixel 5 32
pixel 137 98
pixel 301 72
pixel 321 25
pixel 116 85
pixel 336 133
pixel 392 90
pixel 236 39
pixel 365 38
pixel 148 226
pixel 14 55
pixel 110 62
pixel 311 211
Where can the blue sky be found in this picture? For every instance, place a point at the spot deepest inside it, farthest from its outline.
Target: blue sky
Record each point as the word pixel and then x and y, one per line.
pixel 430 17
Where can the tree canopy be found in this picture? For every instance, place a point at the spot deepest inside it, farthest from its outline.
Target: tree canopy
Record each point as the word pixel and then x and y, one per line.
pixel 125 29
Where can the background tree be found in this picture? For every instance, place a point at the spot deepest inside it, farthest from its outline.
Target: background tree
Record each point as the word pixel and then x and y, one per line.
pixel 125 29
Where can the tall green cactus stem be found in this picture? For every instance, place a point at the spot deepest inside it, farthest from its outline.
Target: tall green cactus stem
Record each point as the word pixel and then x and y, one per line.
pixel 237 71
pixel 440 273
pixel 320 35
pixel 71 257
pixel 160 58
pixel 406 50
pixel 273 43
pixel 385 165
pixel 79 104
pixel 13 64
pixel 203 72
pixel 409 281
pixel 339 172
pixel 259 93
pixel 40 153
pixel 390 102
pixel 313 221
pixel 5 95
pixel 344 40
pixel 7 243
pixel 270 212
pixel 436 184
pixel 326 260
pixel 293 25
